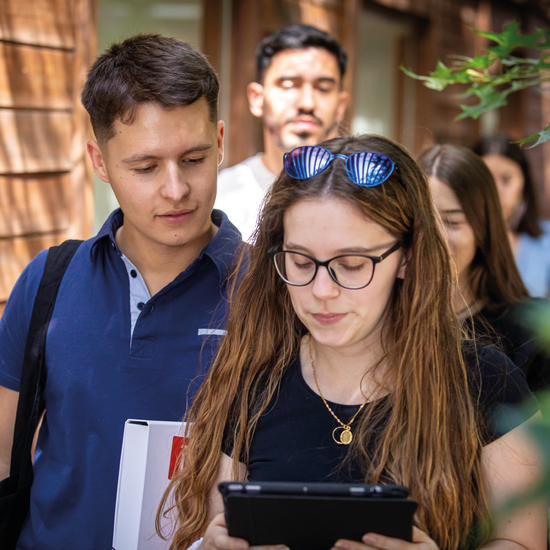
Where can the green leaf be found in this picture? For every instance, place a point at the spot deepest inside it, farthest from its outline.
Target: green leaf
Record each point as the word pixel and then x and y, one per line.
pixel 431 82
pixel 543 136
pixel 482 62
pixel 509 40
pixel 449 75
pixel 545 34
pixel 542 63
pixel 517 85
pixel 502 51
pixel 490 99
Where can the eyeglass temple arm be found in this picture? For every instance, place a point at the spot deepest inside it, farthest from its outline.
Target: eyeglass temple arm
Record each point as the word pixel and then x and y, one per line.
pixel 395 247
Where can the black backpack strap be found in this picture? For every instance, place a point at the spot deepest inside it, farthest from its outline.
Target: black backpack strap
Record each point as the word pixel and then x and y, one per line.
pixel 33 378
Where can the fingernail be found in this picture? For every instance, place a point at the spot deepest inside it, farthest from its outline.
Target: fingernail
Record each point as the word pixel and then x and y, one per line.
pixel 369 539
pixel 342 544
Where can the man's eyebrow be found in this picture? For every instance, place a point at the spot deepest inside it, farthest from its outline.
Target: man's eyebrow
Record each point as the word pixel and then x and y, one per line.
pixel 326 79
pixel 290 77
pixel 140 157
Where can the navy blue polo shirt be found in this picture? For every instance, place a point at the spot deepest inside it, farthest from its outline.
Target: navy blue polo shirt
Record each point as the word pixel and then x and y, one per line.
pixel 100 372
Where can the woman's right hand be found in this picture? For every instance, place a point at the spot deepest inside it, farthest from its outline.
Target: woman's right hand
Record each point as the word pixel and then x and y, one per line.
pixel 217 538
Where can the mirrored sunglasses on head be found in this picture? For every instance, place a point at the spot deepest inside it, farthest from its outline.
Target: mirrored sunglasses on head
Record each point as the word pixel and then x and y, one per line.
pixel 364 168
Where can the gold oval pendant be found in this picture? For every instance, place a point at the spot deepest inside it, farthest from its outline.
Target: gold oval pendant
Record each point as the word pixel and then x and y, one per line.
pixel 344 438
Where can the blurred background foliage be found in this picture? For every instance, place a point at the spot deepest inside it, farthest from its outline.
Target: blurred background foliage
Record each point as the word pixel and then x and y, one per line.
pixel 496 73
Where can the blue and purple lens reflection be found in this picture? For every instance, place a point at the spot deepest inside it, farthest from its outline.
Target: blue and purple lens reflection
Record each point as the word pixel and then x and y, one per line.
pixel 369 169
pixel 305 162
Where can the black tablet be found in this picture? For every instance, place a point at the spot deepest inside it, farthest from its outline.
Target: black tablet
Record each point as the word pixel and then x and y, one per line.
pixel 313 516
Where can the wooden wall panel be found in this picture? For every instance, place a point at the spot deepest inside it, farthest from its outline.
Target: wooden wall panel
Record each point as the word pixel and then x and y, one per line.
pixel 40 22
pixel 246 34
pixel 82 189
pixel 16 253
pixel 35 141
pixel 33 205
pixel 35 78
pixel 46 185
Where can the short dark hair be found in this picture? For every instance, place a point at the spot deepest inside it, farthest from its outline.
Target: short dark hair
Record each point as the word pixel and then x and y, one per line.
pixel 296 37
pixel 500 144
pixel 146 68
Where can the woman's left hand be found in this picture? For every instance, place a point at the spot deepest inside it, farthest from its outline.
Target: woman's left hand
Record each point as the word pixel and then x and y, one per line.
pixel 372 541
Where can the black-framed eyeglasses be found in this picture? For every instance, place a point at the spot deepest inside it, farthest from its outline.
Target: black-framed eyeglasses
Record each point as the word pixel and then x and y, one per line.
pixel 364 168
pixel 351 271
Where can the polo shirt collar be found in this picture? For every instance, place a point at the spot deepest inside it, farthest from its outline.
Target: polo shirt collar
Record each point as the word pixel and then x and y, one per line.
pixel 107 232
pixel 222 249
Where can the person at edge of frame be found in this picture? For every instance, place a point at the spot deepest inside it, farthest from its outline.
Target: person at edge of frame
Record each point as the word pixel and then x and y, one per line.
pixel 138 300
pixel 528 233
pixel 490 297
pixel 298 95
pixel 345 361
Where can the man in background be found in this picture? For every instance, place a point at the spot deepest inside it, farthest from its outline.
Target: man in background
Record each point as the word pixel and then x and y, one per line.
pixel 298 94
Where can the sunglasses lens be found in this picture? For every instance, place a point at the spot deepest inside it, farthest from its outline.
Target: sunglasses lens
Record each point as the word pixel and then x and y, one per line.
pixel 369 169
pixel 304 162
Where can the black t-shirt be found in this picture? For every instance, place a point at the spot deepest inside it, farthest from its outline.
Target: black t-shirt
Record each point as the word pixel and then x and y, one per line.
pixel 508 328
pixel 293 438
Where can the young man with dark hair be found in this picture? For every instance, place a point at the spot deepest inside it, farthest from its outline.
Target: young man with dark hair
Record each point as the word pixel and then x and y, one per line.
pixel 138 300
pixel 298 94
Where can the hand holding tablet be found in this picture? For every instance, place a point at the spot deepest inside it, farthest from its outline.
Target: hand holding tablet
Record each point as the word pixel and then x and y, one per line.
pixel 313 516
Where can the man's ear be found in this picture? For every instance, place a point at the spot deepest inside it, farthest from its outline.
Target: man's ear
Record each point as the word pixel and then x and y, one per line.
pixel 98 162
pixel 220 129
pixel 404 263
pixel 343 100
pixel 255 93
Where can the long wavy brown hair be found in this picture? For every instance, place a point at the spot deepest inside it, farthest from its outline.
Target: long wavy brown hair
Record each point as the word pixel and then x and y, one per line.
pixel 430 442
pixel 493 275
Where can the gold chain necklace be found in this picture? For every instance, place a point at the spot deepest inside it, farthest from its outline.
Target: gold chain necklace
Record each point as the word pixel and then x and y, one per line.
pixel 345 436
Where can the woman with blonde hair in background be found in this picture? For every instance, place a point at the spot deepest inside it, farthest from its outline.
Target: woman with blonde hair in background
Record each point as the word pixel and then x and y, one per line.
pixel 343 362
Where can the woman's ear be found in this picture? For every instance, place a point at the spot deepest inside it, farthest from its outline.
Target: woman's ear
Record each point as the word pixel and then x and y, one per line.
pixel 404 262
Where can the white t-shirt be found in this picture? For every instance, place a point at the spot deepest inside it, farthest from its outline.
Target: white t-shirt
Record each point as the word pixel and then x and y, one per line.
pixel 241 191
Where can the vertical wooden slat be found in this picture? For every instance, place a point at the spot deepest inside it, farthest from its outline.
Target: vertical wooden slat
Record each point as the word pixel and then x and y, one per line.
pixel 212 32
pixel 246 33
pixel 85 37
pixel 349 40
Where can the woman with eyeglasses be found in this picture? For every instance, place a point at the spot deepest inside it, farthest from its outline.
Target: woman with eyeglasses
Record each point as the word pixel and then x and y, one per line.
pixel 490 296
pixel 343 362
